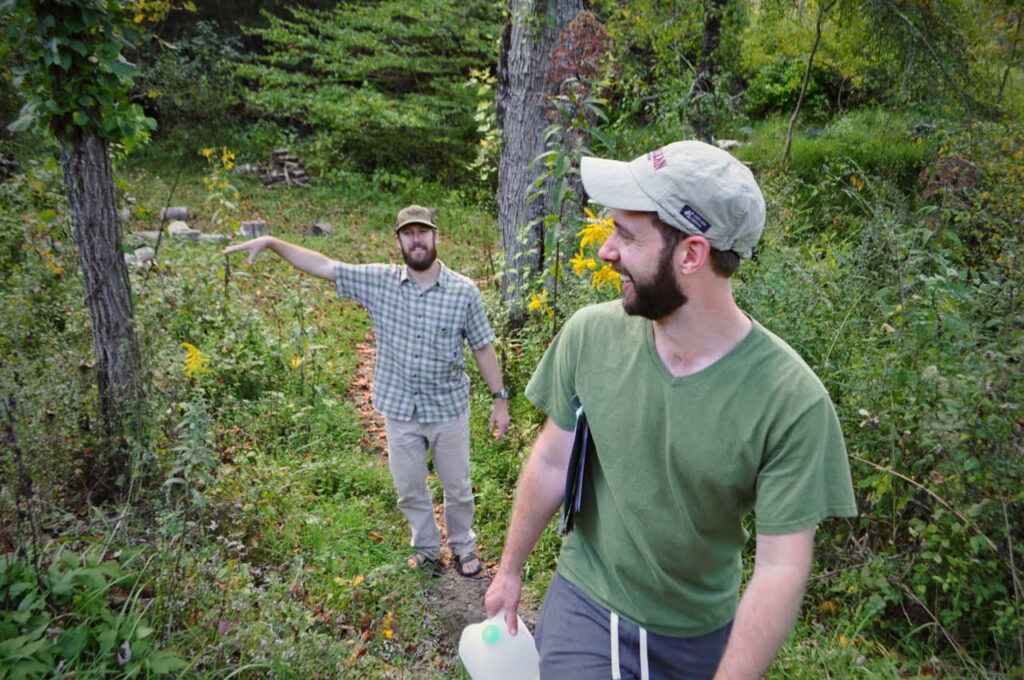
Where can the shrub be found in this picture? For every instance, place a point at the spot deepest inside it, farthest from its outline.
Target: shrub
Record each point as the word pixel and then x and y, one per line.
pixel 776 88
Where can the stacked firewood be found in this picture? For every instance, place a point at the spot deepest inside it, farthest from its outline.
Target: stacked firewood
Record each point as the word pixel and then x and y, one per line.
pixel 284 168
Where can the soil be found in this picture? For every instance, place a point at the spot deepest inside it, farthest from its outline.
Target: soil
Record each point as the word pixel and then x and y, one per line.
pixel 455 600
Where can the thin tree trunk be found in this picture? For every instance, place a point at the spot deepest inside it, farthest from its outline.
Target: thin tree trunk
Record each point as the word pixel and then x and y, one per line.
pixel 90 190
pixel 1009 62
pixel 704 83
pixel 822 11
pixel 532 31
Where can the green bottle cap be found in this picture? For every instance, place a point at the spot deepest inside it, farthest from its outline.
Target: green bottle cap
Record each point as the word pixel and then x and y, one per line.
pixel 491 634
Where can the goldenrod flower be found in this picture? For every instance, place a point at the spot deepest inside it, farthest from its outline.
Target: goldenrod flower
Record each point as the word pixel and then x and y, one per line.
pixel 580 263
pixel 195 361
pixel 606 276
pixel 597 231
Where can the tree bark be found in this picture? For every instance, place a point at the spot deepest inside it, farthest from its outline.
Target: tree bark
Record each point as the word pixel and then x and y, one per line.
pixel 89 185
pixel 704 83
pixel 533 29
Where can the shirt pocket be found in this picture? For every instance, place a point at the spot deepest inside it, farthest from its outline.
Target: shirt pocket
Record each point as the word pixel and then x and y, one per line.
pixel 448 344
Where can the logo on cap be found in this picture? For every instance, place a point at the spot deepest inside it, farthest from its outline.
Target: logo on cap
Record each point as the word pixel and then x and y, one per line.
pixel 658 159
pixel 695 218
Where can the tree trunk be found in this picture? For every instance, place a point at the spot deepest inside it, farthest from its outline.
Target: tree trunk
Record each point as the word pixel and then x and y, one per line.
pixel 703 85
pixel 822 11
pixel 533 29
pixel 89 185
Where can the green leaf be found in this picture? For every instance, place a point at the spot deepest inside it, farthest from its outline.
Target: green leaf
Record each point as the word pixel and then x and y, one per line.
pixel 119 67
pixel 80 119
pixel 164 662
pixel 73 641
pixel 92 579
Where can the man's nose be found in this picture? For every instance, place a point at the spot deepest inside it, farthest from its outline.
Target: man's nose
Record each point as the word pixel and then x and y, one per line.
pixel 608 251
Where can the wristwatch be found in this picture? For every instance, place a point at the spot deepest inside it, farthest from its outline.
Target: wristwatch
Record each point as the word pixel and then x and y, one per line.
pixel 500 394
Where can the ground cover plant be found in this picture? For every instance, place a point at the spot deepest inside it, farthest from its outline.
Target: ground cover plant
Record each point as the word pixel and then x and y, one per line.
pixel 254 533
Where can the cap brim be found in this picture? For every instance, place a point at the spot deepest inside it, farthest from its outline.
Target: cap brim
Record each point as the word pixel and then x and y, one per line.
pixel 406 224
pixel 611 184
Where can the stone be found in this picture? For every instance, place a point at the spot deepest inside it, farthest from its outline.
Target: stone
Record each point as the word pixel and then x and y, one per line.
pixel 141 257
pixel 253 228
pixel 176 212
pixel 181 229
pixel 320 229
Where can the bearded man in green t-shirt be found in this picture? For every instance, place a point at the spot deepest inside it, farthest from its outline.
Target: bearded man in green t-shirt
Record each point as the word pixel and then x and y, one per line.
pixel 699 415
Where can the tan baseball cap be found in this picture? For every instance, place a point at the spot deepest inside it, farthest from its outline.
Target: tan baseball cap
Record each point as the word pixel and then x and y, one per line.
pixel 415 214
pixel 695 187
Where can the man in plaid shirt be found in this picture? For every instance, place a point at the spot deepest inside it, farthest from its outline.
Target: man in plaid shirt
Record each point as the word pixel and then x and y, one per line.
pixel 422 313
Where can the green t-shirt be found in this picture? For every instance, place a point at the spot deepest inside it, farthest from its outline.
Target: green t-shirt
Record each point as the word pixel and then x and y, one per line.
pixel 681 460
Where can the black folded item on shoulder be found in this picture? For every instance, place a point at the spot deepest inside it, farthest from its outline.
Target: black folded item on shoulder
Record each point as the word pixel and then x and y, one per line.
pixel 582 444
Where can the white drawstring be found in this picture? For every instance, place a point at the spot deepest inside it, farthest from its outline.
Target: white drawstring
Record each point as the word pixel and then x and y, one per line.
pixel 643 654
pixel 616 673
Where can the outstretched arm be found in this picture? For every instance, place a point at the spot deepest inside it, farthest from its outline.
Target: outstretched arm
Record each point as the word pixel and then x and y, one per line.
pixel 769 605
pixel 301 258
pixel 487 360
pixel 537 498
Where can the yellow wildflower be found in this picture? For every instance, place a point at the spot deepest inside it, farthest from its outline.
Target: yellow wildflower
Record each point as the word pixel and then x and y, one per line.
pixel 535 303
pixel 195 361
pixel 580 263
pixel 596 232
pixel 606 276
pixel 207 153
pixel 296 362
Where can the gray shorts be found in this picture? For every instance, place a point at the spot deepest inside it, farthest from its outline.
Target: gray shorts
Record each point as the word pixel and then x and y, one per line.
pixel 580 640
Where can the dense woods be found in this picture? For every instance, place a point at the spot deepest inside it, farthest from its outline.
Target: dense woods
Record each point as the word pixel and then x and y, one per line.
pixel 191 481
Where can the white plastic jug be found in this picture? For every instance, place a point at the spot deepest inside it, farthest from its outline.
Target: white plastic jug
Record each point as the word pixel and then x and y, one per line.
pixel 490 652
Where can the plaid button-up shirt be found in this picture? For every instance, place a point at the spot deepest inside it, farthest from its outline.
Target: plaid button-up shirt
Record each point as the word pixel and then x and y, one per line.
pixel 420 370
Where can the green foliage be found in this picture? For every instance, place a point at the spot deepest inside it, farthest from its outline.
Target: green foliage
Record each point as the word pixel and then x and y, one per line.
pixel 776 88
pixel 380 85
pixel 934 55
pixel 657 49
pixel 72 70
pixel 189 80
pixel 79 612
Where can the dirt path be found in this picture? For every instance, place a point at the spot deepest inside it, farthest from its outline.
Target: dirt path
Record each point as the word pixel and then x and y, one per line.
pixel 457 601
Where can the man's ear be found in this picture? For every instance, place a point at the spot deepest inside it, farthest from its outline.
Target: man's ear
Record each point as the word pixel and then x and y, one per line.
pixel 692 254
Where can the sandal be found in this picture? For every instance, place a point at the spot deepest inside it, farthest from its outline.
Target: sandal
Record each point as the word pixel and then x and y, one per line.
pixel 418 561
pixel 462 560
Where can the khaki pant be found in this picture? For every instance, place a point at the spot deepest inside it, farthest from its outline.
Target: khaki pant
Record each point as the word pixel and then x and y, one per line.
pixel 448 442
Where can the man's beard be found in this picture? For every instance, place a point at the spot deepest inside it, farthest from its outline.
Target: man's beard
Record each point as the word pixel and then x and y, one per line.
pixel 660 296
pixel 420 263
